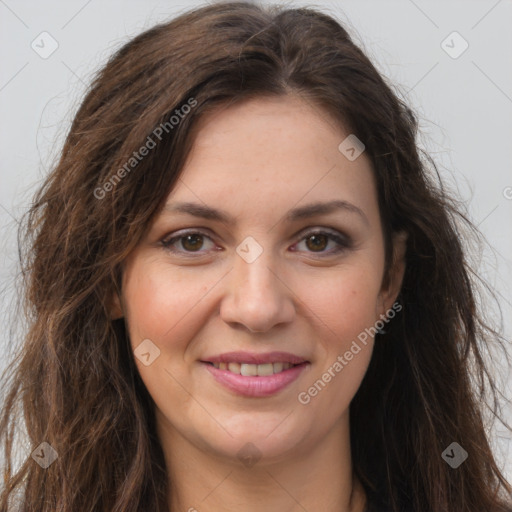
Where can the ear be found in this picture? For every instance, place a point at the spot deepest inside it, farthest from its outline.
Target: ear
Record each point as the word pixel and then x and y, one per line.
pixel 391 287
pixel 115 307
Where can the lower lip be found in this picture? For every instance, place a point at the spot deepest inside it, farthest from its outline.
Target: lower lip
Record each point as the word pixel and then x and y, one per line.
pixel 256 386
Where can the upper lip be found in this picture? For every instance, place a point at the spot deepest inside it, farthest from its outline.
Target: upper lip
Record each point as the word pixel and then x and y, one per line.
pixel 254 358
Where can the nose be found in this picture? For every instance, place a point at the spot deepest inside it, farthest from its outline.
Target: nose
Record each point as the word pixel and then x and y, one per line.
pixel 257 296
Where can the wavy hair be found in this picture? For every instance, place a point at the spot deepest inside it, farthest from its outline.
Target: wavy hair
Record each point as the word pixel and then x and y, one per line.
pixel 74 383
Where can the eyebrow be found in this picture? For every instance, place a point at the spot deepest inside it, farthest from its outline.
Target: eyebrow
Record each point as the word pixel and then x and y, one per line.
pixel 303 212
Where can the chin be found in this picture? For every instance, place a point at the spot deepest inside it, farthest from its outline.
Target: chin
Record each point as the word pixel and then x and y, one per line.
pixel 264 442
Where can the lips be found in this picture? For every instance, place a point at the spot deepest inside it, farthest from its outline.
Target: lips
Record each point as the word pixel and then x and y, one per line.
pixel 253 358
pixel 255 375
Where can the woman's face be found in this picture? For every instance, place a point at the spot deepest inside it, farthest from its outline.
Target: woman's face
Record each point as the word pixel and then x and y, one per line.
pixel 239 277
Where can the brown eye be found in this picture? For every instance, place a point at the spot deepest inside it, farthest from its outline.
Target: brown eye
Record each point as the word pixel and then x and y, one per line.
pixel 192 242
pixel 317 242
pixel 188 243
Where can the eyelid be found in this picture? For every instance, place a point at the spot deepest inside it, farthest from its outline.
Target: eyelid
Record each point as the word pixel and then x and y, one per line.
pixel 342 240
pixel 168 240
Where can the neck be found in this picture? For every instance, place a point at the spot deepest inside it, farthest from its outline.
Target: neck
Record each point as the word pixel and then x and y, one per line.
pixel 319 478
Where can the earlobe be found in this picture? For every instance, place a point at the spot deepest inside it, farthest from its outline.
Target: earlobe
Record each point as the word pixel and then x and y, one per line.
pixel 390 292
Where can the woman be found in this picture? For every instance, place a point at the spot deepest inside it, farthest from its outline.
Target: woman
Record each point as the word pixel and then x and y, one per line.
pixel 246 291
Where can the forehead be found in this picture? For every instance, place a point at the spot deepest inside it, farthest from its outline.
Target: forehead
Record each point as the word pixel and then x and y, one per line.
pixel 268 152
pixel 270 128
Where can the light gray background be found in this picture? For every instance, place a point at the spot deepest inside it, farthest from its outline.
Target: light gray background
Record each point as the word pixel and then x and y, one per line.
pixel 465 107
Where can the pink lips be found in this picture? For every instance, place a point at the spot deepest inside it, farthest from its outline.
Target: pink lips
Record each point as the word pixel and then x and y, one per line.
pixel 256 386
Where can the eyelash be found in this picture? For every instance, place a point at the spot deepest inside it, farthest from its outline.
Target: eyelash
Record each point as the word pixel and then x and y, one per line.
pixel 343 242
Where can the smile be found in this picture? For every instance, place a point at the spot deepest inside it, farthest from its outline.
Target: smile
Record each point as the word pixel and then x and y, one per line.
pixel 253 370
pixel 254 374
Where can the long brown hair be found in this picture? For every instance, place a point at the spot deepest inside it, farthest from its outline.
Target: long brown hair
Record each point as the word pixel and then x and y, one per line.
pixel 74 384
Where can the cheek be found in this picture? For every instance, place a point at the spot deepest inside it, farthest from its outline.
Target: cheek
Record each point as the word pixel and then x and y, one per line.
pixel 160 300
pixel 165 305
pixel 344 307
pixel 344 302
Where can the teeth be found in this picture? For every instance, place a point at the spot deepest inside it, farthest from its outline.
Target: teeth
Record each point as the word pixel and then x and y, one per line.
pixel 278 367
pixel 234 368
pixel 264 369
pixel 252 370
pixel 249 370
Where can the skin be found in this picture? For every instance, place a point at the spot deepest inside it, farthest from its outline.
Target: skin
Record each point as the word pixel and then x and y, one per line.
pixel 256 161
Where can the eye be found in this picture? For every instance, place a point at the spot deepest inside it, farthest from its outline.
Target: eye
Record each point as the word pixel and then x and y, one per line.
pixel 188 242
pixel 318 241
